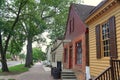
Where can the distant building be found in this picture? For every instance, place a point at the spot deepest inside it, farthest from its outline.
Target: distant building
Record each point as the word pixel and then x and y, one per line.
pixel 57 52
pixel 48 52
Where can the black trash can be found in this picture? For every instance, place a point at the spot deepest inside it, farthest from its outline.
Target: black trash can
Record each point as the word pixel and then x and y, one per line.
pixel 59 65
pixel 56 73
pixel 52 68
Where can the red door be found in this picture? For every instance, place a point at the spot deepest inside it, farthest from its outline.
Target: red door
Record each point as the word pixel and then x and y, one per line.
pixel 71 57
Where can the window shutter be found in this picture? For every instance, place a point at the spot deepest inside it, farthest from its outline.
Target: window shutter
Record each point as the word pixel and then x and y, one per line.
pixel 98 43
pixel 113 46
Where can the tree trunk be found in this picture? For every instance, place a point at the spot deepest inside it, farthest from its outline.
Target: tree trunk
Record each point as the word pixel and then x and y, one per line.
pixel 3 56
pixel 4 63
pixel 29 58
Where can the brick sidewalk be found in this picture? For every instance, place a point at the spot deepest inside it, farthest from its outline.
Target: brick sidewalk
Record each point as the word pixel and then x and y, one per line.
pixel 37 72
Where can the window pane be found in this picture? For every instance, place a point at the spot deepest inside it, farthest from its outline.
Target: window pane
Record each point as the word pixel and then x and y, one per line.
pixel 79 53
pixel 105 38
pixel 107 42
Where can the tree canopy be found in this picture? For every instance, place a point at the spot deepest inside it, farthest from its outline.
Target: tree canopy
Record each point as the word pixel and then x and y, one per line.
pixel 22 20
pixel 38 54
pixel 58 24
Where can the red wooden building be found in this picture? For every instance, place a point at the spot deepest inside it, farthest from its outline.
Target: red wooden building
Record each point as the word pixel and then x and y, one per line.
pixel 76 56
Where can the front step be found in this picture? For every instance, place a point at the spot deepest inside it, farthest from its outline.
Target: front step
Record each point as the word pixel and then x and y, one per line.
pixel 68 75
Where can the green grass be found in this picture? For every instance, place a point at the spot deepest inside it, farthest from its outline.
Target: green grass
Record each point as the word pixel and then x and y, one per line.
pixel 15 70
pixel 18 68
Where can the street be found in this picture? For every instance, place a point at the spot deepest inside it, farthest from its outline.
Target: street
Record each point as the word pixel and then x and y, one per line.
pixel 12 63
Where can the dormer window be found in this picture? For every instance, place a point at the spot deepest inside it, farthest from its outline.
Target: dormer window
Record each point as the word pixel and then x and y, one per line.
pixel 71 25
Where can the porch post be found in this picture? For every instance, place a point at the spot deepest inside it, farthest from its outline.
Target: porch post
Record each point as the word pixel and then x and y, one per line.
pixel 112 71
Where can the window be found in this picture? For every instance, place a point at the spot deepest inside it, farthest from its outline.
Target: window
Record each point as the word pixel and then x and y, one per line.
pixel 71 25
pixel 79 52
pixel 106 44
pixel 65 55
pixel 71 52
pixel 53 57
pixel 105 39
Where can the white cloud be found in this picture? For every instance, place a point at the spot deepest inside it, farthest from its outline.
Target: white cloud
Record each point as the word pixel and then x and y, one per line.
pixel 90 2
pixel 45 34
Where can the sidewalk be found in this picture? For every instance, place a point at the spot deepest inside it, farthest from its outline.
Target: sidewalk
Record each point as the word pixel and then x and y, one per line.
pixel 37 72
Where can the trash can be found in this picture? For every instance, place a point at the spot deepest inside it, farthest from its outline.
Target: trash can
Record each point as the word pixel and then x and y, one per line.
pixel 59 65
pixel 52 68
pixel 56 73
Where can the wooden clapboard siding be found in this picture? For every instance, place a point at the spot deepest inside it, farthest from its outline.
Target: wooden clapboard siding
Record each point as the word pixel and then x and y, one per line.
pixel 99 65
pixel 118 32
pixel 59 51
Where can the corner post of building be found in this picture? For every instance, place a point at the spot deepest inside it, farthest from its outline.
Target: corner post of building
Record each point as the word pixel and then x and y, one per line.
pixel 112 70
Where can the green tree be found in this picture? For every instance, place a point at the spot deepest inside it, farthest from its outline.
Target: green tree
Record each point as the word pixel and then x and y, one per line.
pixel 33 26
pixel 31 18
pixel 22 56
pixel 16 44
pixel 10 16
pixel 38 16
pixel 58 24
pixel 38 54
pixel 8 56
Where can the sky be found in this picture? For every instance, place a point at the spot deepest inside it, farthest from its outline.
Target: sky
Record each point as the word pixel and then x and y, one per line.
pixel 43 46
pixel 90 2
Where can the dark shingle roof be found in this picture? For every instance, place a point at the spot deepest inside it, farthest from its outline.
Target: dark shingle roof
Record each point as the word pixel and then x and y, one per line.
pixel 83 10
pixel 98 6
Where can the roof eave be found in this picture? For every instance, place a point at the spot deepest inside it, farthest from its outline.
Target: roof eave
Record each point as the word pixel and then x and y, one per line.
pixel 100 10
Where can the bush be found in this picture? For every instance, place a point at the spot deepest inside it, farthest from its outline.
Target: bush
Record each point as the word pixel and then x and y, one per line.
pixel 8 56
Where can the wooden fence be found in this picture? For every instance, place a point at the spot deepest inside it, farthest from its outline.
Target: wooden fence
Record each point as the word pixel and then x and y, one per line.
pixel 111 73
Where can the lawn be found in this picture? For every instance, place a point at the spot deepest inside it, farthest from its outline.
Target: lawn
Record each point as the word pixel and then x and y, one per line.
pixel 18 68
pixel 15 70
